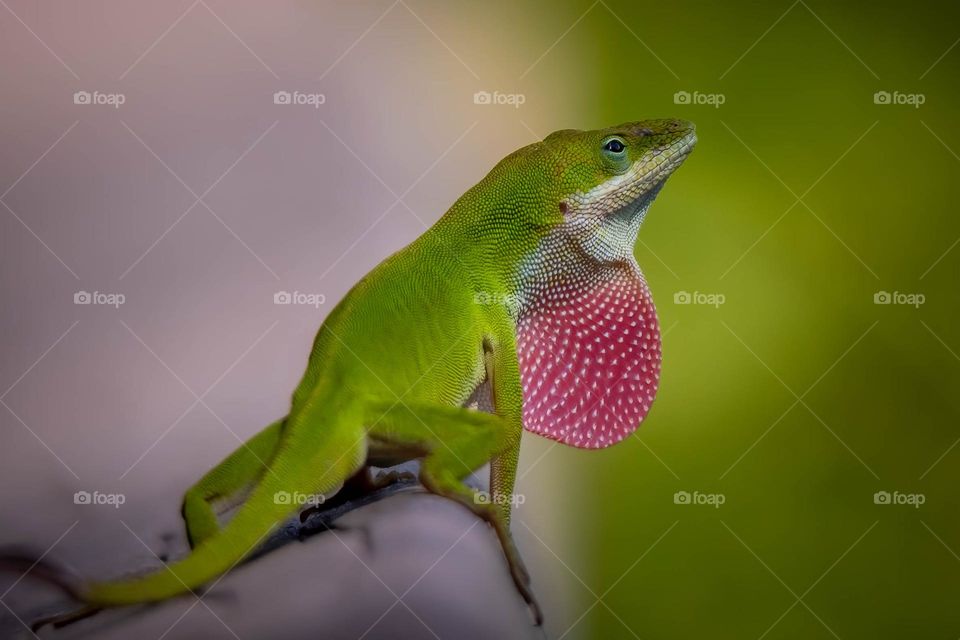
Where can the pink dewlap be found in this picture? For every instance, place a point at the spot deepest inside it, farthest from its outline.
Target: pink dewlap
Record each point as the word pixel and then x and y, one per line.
pixel 589 357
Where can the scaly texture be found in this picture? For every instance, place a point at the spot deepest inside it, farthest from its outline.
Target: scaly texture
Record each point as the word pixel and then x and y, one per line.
pixel 589 353
pixel 524 298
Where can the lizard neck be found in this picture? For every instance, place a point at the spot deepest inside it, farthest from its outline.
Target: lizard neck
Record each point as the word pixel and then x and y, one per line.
pixel 489 230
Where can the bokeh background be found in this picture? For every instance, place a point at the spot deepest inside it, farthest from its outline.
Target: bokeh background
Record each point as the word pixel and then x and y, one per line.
pixel 789 394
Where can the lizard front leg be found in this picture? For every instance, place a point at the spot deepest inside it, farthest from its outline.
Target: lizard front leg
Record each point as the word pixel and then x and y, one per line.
pixel 503 376
pixel 456 442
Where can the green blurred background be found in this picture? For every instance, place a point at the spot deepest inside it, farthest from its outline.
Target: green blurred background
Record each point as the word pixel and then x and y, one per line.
pixel 799 397
pixel 796 400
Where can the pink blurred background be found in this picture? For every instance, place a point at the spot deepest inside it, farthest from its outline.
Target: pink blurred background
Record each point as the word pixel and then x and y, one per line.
pixel 142 399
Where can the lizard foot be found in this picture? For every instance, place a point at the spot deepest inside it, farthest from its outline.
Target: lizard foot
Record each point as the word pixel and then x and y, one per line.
pixel 358 486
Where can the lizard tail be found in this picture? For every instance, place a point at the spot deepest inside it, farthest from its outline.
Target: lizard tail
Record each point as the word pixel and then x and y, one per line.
pixel 292 472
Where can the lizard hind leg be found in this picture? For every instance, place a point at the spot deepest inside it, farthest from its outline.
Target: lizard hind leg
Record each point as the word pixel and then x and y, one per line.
pixel 456 442
pixel 235 473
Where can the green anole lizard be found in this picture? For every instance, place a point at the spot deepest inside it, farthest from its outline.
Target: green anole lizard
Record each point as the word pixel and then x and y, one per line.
pixel 524 298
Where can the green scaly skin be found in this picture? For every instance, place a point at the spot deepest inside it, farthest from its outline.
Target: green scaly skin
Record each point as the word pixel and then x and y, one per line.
pixel 396 361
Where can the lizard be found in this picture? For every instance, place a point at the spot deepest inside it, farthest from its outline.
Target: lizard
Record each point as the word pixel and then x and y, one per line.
pixel 524 300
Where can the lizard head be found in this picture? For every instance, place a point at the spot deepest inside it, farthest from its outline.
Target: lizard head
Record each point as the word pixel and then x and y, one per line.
pixel 608 178
pixel 588 339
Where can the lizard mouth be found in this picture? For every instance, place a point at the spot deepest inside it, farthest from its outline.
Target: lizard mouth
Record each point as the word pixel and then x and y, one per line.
pixel 652 181
pixel 633 191
pixel 676 153
pixel 644 201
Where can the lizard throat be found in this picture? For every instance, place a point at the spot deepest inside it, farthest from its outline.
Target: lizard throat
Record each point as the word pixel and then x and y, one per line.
pixel 589 353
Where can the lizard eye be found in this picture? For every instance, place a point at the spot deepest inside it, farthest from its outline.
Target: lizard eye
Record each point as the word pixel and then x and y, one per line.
pixel 614 145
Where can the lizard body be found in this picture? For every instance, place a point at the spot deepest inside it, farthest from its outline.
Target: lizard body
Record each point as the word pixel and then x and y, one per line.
pixel 524 299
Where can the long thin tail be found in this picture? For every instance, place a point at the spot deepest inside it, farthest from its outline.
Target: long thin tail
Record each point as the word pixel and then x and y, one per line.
pixel 298 468
pixel 214 556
